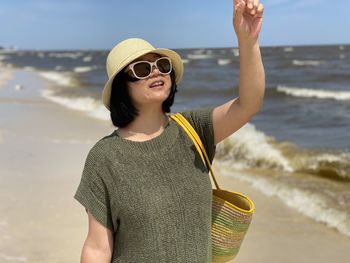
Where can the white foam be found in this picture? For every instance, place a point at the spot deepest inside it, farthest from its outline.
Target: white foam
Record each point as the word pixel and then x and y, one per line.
pixel 235 52
pixel 315 93
pixel 249 148
pixel 199 51
pixel 59 78
pixel 199 56
pixel 338 161
pixel 310 204
pixel 88 105
pixel 3 57
pixel 41 54
pixel 72 55
pixel 307 62
pixel 288 49
pixel 87 58
pixel 13 258
pixel 58 67
pixel 84 69
pixel 185 61
pixel 224 61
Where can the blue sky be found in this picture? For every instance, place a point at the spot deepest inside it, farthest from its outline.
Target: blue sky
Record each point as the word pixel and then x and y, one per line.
pixel 99 24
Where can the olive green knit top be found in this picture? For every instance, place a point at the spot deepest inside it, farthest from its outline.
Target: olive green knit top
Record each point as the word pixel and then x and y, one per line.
pixel 156 195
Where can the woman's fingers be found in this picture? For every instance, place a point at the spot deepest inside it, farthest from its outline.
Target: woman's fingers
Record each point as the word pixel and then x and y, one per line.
pixel 254 7
pixel 239 9
pixel 260 10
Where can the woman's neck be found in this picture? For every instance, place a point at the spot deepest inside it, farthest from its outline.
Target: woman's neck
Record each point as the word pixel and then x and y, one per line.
pixel 145 126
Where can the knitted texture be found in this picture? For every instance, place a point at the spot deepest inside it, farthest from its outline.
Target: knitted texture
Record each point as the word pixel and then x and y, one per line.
pixel 155 196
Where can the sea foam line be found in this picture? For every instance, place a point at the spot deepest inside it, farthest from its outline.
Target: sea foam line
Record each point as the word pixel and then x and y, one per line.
pixel 314 93
pixel 58 78
pixel 88 105
pixel 307 62
pixel 250 148
pixel 85 69
pixel 311 205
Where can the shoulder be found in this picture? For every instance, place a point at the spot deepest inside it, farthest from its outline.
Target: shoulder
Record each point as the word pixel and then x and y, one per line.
pixel 100 151
pixel 199 115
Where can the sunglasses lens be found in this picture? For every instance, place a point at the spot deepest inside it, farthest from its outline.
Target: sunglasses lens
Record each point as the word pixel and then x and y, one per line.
pixel 164 65
pixel 142 69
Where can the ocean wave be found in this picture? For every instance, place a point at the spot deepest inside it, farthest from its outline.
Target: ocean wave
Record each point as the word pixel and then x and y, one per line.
pixel 310 203
pixel 88 105
pixel 72 55
pixel 314 93
pixel 335 166
pixel 307 62
pixel 3 57
pixel 84 69
pixel 224 61
pixel 248 148
pixel 288 49
pixel 62 79
pixel 87 58
pixel 235 52
pixel 40 54
pixel 199 56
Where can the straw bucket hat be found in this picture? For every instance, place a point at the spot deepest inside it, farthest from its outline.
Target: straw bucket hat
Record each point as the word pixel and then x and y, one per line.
pixel 127 51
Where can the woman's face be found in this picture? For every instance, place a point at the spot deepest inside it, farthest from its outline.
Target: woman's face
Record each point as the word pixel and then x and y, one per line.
pixel 154 89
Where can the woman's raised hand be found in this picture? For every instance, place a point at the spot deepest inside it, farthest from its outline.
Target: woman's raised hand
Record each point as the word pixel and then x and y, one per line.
pixel 247 20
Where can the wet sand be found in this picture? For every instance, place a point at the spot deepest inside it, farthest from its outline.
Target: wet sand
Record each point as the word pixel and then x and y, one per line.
pixel 43 149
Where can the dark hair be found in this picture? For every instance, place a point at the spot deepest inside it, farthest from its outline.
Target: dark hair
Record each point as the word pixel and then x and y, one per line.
pixel 122 111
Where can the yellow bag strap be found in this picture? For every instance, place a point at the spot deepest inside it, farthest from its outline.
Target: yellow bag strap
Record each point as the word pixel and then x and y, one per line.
pixel 182 121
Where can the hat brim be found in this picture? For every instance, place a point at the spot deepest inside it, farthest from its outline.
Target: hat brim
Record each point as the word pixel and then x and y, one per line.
pixel 175 60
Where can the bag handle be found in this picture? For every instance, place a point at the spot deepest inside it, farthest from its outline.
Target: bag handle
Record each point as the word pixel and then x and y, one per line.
pixel 182 121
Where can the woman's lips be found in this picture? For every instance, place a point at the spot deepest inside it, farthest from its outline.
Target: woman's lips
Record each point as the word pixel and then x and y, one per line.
pixel 156 84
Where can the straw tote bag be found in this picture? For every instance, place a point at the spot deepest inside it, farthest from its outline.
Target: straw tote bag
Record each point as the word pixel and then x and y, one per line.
pixel 231 211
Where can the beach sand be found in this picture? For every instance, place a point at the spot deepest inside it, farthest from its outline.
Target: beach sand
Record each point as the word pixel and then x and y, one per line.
pixel 43 149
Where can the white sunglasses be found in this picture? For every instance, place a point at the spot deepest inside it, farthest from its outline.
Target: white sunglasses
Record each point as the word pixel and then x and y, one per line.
pixel 143 69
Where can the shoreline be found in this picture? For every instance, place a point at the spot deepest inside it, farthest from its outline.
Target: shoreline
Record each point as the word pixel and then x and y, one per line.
pixel 279 233
pixel 44 146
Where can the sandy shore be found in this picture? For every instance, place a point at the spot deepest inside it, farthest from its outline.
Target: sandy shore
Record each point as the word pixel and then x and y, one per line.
pixel 43 148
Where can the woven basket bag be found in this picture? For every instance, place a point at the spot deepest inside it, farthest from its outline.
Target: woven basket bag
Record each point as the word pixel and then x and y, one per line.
pixel 231 211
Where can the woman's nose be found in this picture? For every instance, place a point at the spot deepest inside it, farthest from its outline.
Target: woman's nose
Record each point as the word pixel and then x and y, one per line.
pixel 155 71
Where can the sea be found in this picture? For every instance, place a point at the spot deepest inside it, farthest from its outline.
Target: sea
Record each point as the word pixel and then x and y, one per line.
pixel 296 148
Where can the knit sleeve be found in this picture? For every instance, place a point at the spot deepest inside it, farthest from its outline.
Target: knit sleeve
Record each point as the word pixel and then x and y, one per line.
pixel 202 121
pixel 92 192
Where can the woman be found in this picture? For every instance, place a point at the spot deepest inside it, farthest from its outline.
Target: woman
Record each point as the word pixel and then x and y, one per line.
pixel 145 188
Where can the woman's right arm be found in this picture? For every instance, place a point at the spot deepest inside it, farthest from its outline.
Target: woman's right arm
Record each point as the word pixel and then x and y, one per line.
pixel 98 246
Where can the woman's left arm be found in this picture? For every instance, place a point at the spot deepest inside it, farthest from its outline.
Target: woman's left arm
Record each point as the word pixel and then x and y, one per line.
pixel 231 116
